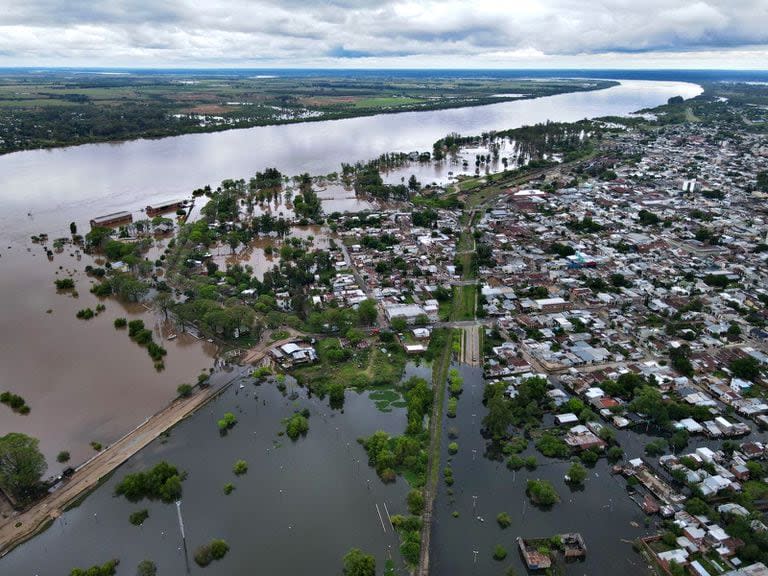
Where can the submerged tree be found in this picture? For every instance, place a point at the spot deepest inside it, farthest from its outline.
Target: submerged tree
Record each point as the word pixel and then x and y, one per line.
pixel 21 465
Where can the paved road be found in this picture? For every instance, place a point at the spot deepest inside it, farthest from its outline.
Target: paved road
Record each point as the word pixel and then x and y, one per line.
pixel 381 320
pixel 471 348
pixel 17 529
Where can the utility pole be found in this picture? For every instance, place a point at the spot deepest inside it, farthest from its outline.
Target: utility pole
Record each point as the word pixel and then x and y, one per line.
pixel 183 536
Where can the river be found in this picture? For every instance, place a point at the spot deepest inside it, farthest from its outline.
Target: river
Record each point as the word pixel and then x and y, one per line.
pixel 75 184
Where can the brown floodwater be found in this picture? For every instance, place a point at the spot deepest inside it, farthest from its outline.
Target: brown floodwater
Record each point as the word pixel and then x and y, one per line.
pixel 83 379
pixel 253 253
pixel 86 381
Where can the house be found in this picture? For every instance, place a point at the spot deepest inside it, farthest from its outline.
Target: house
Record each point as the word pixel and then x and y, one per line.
pixel 283 300
pixel 295 353
pixel 167 206
pixel 407 311
pixel 421 333
pixel 569 418
pixel 114 219
pixel 414 348
pixel 583 438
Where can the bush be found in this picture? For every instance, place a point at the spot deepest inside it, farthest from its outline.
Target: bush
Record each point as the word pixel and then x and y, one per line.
pixel 297 425
pixel 62 457
pixel 229 488
pixel 156 352
pixel 615 453
pixel 64 284
pixel 357 563
pixel 85 314
pixel 134 327
pixel 137 518
pixel 453 447
pixel 162 482
pixel 240 467
pixel 207 553
pixel 515 445
pixel 656 448
pixel 203 555
pixel 120 323
pixel 576 474
pixel 541 492
pixel 184 390
pixel 143 337
pixel 515 462
pixel 589 457
pixel 14 402
pixel 146 568
pixel 499 553
pixel 504 520
pixel 227 422
pixel 455 382
pixel 219 549
pixel 552 446
pixel 415 502
pixel 106 569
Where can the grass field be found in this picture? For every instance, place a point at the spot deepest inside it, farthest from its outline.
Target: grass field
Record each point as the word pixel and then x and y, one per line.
pixel 364 369
pixel 386 102
pixel 464 302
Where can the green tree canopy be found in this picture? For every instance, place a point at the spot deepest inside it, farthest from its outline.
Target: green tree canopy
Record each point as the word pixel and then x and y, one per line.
pixel 358 563
pixel 21 465
pixel 366 312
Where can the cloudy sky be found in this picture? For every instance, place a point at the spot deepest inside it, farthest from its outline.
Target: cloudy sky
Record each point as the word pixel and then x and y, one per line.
pixel 386 33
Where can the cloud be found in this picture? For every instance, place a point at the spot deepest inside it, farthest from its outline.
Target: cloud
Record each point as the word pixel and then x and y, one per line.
pixel 394 33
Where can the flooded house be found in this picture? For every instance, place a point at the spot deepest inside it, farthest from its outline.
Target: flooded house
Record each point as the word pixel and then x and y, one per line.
pixel 114 219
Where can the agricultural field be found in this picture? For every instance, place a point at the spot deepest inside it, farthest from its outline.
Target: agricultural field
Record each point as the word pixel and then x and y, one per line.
pixel 63 107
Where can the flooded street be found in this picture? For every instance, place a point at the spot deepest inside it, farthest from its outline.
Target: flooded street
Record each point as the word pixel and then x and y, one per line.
pixel 313 493
pixel 608 530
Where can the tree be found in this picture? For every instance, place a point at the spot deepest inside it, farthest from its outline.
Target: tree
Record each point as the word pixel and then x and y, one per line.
pixel 415 502
pixel 746 368
pixel 106 569
pixel 164 301
pixel 184 390
pixel 576 474
pixel 73 228
pixel 21 465
pixel 399 324
pixel 541 493
pixel 357 563
pixel 366 312
pixel 762 180
pixel 146 568
pixel 649 401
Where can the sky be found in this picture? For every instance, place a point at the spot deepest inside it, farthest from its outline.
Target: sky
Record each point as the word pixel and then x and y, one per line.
pixel 726 34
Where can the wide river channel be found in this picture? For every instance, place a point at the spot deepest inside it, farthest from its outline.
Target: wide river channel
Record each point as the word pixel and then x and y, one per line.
pixel 85 381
